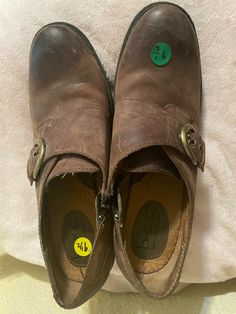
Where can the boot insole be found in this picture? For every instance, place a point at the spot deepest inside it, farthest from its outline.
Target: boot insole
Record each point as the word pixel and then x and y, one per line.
pixel 153 219
pixel 72 222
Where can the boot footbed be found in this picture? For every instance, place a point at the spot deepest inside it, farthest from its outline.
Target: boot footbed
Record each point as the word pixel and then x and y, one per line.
pixel 69 230
pixel 153 210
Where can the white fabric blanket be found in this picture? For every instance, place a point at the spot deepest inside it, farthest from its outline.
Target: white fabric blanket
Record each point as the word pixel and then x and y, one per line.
pixel 212 253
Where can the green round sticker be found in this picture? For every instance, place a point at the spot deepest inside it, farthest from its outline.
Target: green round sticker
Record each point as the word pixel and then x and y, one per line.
pixel 161 54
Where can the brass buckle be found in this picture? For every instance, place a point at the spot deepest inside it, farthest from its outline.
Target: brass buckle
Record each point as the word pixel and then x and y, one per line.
pixel 190 145
pixel 38 153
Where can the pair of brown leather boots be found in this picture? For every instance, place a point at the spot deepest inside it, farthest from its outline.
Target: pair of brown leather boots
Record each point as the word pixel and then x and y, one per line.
pixel 124 185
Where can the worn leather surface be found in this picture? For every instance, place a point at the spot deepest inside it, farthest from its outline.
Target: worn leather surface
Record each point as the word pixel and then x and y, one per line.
pixel 152 104
pixel 71 111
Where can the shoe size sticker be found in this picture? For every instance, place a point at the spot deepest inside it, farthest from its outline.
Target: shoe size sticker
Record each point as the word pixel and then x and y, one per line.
pixel 161 54
pixel 82 246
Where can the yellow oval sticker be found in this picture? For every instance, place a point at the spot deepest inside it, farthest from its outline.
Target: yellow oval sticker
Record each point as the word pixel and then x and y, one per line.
pixel 82 246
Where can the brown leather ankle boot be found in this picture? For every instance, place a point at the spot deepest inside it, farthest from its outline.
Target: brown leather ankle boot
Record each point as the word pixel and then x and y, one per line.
pixel 71 112
pixel 156 147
